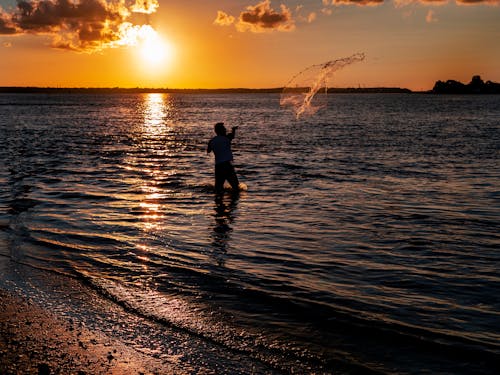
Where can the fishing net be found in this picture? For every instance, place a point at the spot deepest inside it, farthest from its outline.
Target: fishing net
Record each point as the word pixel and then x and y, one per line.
pixel 306 92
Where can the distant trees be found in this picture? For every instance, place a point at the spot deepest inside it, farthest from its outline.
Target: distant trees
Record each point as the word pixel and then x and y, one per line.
pixel 475 86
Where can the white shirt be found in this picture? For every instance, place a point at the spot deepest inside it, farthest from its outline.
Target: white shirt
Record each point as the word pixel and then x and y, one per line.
pixel 221 146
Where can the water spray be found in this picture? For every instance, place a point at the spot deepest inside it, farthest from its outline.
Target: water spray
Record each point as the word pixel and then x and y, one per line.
pixel 301 92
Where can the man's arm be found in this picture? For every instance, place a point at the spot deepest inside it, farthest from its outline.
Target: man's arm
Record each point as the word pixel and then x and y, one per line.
pixel 209 147
pixel 233 133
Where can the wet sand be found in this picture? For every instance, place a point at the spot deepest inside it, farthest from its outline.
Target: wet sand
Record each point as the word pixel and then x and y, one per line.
pixel 52 323
pixel 36 341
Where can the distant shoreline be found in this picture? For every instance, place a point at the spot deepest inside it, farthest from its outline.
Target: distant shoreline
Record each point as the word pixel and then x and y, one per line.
pixel 476 87
pixel 137 90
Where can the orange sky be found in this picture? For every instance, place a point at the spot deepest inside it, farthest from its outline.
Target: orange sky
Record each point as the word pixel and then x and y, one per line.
pixel 249 43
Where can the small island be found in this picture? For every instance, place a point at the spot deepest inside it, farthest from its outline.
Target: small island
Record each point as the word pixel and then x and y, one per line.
pixel 476 86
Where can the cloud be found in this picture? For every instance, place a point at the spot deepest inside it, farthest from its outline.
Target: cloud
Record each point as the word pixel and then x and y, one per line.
pixel 81 25
pixel 401 3
pixel 145 6
pixel 431 16
pixel 309 18
pixel 6 25
pixel 223 19
pixel 422 2
pixel 478 2
pixel 261 18
pixel 354 2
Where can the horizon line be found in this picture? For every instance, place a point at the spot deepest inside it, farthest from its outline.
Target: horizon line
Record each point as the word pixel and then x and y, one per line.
pixel 117 89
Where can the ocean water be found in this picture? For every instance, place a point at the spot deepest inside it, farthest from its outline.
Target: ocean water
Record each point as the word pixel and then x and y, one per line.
pixel 367 240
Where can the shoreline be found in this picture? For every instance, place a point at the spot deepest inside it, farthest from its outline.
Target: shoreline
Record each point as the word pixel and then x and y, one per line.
pixel 56 324
pixel 34 340
pixel 146 90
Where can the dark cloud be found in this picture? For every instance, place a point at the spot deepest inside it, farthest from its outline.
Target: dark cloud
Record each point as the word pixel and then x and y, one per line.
pixel 83 25
pixel 46 15
pixel 262 17
pixel 6 26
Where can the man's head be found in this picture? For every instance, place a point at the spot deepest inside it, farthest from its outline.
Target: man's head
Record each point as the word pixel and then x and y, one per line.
pixel 220 129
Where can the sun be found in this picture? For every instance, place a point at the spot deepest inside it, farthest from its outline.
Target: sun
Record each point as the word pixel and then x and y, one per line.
pixel 154 49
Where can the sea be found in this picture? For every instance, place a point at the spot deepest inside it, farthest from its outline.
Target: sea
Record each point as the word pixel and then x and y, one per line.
pixel 367 239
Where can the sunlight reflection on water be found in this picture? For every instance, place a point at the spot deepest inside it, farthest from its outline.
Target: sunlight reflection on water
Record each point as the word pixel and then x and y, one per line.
pixel 155 112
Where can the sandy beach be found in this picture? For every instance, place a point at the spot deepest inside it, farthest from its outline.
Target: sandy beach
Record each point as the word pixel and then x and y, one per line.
pixel 35 341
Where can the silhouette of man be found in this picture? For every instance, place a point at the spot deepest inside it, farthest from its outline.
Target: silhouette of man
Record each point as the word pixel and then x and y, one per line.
pixel 221 147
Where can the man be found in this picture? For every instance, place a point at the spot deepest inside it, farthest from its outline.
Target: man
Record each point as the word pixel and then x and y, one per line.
pixel 221 147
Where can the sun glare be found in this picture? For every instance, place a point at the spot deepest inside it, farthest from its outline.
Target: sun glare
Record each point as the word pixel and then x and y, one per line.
pixel 151 47
pixel 154 49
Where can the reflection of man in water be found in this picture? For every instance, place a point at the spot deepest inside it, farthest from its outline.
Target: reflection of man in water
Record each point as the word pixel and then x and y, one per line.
pixel 224 216
pixel 221 146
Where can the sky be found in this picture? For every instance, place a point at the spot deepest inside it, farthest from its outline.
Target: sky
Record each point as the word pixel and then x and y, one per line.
pixel 245 43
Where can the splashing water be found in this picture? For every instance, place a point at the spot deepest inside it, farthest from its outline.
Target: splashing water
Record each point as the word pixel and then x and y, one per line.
pixel 306 92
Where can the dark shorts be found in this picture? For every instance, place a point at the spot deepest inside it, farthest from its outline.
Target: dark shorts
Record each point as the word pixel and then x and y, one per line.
pixel 225 172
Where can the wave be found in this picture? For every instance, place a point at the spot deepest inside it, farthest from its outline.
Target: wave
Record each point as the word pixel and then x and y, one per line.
pixel 230 321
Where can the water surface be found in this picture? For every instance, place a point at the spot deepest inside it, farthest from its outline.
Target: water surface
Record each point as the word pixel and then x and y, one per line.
pixel 367 239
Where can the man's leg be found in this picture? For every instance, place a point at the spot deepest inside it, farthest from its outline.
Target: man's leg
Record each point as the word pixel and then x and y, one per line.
pixel 232 178
pixel 220 177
